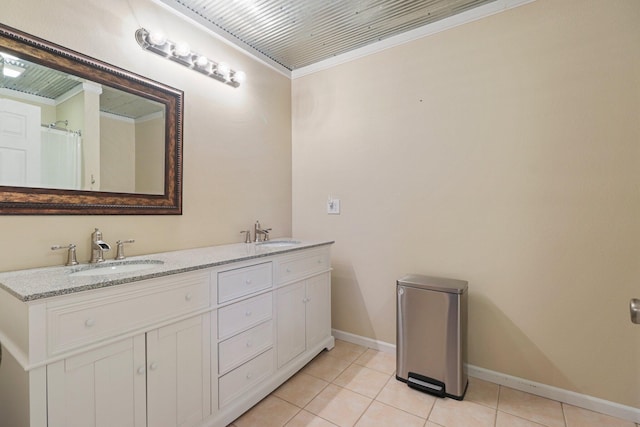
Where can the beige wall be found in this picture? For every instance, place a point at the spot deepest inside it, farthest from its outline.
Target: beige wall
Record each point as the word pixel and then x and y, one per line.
pixel 505 152
pixel 117 154
pixel 149 156
pixel 237 142
pixel 132 155
pixel 73 111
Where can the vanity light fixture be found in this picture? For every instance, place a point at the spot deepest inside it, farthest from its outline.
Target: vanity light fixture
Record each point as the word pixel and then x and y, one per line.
pixel 181 53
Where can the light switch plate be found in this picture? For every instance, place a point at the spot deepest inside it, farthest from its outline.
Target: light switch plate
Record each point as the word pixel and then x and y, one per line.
pixel 333 206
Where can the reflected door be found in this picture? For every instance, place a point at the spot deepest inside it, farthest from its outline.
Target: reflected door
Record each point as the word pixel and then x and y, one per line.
pixel 19 144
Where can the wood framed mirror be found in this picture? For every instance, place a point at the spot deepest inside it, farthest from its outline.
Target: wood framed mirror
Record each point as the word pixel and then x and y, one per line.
pixel 79 136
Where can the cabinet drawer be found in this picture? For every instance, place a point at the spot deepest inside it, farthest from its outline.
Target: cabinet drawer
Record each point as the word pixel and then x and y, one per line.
pixel 77 321
pixel 244 346
pixel 293 268
pixel 244 314
pixel 233 284
pixel 242 379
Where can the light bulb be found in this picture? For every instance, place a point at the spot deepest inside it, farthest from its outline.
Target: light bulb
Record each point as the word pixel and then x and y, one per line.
pixel 224 69
pixel 202 61
pixel 156 38
pixel 182 49
pixel 239 77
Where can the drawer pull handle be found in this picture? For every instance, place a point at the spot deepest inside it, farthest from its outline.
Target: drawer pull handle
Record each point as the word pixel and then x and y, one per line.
pixel 141 370
pixel 153 366
pixel 249 343
pixel 187 297
pixel 89 323
pixel 248 313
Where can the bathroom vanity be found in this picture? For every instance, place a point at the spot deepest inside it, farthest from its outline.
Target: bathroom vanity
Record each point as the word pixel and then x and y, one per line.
pixel 191 338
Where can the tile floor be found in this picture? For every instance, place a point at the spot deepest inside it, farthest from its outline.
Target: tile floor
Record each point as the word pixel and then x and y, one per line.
pixel 355 386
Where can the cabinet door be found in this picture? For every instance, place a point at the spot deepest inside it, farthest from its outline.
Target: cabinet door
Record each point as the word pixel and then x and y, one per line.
pixel 318 308
pixel 100 388
pixel 291 322
pixel 178 372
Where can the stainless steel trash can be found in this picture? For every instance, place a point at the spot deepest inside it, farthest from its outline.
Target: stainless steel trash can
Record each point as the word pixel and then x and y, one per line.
pixel 431 334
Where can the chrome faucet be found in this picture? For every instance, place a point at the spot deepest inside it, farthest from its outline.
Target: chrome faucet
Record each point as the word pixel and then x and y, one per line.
pixel 98 247
pixel 257 231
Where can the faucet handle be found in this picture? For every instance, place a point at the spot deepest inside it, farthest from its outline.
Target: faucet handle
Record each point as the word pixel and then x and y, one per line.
pixel 247 237
pixel 71 254
pixel 120 248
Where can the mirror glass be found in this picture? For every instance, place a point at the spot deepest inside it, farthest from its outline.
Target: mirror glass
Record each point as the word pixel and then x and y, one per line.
pixel 62 131
pixel 81 136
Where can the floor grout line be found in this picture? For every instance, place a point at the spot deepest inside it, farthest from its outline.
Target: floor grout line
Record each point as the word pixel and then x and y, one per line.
pixel 483 394
pixel 497 405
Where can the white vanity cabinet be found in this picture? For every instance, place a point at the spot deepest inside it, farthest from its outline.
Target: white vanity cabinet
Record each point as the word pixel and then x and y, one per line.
pixel 137 382
pixel 99 387
pixel 245 330
pixel 303 304
pixel 194 348
pixel 178 373
pixel 155 378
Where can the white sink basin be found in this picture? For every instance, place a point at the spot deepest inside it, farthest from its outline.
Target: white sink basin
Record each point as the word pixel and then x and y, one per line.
pixel 278 243
pixel 117 268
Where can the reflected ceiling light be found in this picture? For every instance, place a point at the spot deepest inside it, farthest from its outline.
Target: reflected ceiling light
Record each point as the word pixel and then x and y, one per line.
pixel 10 70
pixel 181 53
pixel 10 65
pixel 8 57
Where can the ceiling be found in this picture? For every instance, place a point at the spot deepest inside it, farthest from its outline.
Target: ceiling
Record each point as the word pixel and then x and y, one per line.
pixel 288 34
pixel 292 34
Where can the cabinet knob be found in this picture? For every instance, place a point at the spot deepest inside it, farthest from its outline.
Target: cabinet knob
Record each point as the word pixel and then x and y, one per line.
pixel 89 323
pixel 249 343
pixel 141 370
pixel 153 366
pixel 187 297
pixel 248 281
pixel 249 375
pixel 288 270
pixel 248 313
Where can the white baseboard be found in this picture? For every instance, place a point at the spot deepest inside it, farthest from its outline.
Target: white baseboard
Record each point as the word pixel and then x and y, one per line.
pixel 566 396
pixel 364 341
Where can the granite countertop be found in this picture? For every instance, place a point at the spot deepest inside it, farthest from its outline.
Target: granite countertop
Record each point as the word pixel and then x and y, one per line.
pixel 37 283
